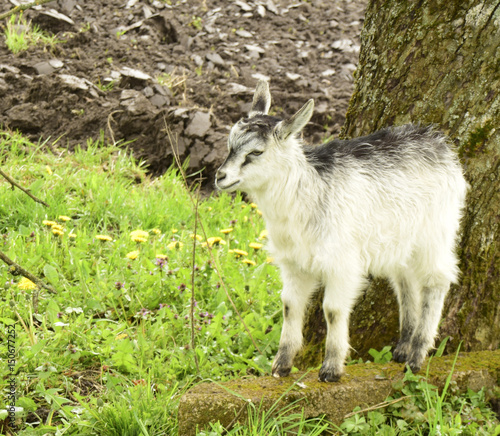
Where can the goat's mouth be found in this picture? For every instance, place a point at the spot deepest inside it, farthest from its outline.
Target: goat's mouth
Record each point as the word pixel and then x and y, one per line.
pixel 227 187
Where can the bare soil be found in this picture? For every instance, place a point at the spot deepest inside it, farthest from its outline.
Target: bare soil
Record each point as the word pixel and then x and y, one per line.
pixel 128 69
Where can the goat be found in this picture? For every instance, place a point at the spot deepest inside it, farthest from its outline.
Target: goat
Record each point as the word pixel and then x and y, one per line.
pixel 388 204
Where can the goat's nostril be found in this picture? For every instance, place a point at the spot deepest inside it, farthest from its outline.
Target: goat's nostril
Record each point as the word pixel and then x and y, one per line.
pixel 221 175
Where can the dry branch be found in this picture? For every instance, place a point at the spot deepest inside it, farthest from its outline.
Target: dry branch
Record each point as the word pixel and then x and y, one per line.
pixel 15 268
pixel 26 191
pixel 21 8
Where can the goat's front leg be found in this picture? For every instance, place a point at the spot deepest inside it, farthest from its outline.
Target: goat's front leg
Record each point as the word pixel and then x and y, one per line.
pixel 340 296
pixel 297 290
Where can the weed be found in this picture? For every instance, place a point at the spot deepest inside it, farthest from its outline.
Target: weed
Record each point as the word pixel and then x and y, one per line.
pixel 20 35
pixel 196 22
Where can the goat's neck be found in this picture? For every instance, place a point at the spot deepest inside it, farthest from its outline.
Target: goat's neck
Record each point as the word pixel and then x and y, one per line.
pixel 292 191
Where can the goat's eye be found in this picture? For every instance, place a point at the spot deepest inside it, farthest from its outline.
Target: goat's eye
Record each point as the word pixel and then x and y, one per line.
pixel 256 153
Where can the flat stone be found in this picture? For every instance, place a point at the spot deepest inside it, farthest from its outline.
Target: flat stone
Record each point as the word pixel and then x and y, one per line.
pixel 43 68
pixel 159 100
pixel 135 74
pixel 215 58
pixel 73 82
pixel 363 385
pixel 199 124
pixel 244 33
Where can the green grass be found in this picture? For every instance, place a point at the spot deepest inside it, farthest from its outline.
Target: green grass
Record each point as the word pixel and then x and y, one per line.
pixel 111 352
pixel 20 35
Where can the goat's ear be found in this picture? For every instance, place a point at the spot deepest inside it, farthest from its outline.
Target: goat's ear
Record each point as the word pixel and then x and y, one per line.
pixel 261 99
pixel 297 122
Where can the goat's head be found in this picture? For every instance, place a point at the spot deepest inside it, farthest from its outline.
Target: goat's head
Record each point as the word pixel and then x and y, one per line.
pixel 259 144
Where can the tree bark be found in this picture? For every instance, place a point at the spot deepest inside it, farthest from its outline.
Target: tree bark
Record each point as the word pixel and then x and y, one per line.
pixel 437 62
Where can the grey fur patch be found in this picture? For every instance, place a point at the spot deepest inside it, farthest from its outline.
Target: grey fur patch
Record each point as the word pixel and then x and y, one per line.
pixel 392 146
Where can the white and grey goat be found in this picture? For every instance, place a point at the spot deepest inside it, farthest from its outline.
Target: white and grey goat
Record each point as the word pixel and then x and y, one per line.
pixel 387 204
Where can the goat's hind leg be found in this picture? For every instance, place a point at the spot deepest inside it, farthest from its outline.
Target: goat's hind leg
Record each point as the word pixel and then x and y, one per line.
pixel 425 333
pixel 297 290
pixel 408 293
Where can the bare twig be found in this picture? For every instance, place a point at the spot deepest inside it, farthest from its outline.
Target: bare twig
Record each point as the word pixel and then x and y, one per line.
pixel 183 174
pixel 110 118
pixel 20 270
pixel 192 281
pixel 21 8
pixel 378 406
pixel 26 191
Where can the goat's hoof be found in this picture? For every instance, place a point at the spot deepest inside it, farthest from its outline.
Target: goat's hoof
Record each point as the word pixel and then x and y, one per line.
pixel 329 375
pixel 281 372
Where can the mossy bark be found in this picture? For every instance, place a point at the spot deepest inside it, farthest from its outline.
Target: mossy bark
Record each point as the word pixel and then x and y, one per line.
pixel 438 62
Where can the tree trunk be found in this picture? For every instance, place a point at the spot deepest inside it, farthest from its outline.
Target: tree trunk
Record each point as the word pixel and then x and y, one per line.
pixel 437 62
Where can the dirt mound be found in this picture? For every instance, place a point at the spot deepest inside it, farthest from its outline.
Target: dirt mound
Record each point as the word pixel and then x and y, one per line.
pixel 130 68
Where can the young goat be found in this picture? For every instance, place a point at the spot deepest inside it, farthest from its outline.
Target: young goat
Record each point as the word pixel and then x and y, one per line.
pixel 387 204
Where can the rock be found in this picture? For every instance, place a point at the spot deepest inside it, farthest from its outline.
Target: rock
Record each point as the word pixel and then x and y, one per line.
pixel 236 88
pixel 293 76
pixel 159 100
pixel 199 125
pixel 328 73
pixel 74 83
pixel 48 67
pixel 363 385
pixel 215 58
pixel 135 74
pixel 197 152
pixel 9 69
pixel 244 33
pixel 271 7
pixel 135 102
pixel 244 6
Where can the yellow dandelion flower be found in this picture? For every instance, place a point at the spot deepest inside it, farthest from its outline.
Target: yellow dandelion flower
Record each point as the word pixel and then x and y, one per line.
pixel 121 336
pixel 215 240
pixel 132 255
pixel 104 238
pixel 243 206
pixel 48 169
pixel 270 259
pixel 72 235
pixel 175 230
pixel 226 231
pixel 49 223
pixel 57 227
pixel 255 245
pixel 26 284
pixel 249 262
pixel 64 218
pixel 245 219
pixel 139 236
pixel 259 212
pixel 57 232
pixel 197 237
pixel 161 256
pixel 175 244
pixel 263 234
pixel 209 208
pixel 156 231
pixel 239 252
pixel 253 205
